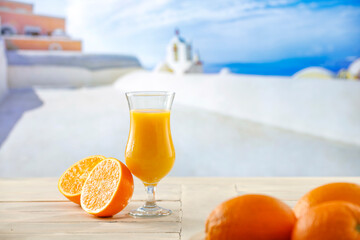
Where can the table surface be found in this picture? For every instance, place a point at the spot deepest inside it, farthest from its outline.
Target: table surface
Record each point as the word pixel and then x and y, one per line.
pixel 34 208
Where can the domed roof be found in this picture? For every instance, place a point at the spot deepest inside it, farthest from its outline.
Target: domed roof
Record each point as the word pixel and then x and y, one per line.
pixel 225 71
pixel 177 39
pixel 314 72
pixel 163 67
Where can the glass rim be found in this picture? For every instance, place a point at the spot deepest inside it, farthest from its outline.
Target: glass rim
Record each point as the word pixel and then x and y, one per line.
pixel 149 93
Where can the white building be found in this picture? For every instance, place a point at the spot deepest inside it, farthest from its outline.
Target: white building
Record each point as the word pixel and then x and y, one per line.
pixel 354 69
pixel 3 69
pixel 180 58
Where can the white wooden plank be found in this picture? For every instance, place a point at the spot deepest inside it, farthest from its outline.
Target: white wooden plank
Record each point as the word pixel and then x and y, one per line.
pixel 35 208
pixel 288 189
pixel 197 203
pixel 169 188
pixel 89 227
pixel 47 190
pixel 93 236
pixel 257 180
pixel 67 212
pixel 293 181
pixel 30 189
pixel 284 195
pixel 40 206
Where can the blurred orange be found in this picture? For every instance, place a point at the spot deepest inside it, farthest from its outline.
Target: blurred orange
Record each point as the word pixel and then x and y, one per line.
pixel 335 220
pixel 340 191
pixel 251 217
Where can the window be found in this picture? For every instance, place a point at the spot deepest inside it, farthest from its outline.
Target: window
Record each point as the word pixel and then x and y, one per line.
pixel 7 30
pixel 32 30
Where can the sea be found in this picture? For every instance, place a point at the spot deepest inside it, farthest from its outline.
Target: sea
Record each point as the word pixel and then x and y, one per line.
pixel 284 67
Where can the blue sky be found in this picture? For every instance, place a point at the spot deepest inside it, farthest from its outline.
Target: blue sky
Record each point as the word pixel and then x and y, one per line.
pixel 222 30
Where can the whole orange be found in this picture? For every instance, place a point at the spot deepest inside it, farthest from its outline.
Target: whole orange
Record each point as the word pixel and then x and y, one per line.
pixel 340 191
pixel 251 217
pixel 335 220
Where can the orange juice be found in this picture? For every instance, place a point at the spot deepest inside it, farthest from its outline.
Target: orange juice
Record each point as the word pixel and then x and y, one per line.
pixel 150 152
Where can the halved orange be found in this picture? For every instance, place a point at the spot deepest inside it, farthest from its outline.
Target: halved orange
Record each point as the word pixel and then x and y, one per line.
pixel 108 189
pixel 72 180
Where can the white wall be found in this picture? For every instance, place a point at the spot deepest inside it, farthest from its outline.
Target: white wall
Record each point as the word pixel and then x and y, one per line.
pixel 58 76
pixel 324 108
pixel 3 70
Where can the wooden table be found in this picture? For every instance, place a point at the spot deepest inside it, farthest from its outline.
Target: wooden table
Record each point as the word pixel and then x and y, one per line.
pixel 34 208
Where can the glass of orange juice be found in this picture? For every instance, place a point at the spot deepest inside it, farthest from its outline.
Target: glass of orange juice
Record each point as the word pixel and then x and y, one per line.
pixel 150 152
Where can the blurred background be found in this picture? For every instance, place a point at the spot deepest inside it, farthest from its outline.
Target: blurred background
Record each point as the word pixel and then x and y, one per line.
pixel 263 88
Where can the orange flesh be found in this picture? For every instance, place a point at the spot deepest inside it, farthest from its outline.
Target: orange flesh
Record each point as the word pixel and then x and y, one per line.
pixel 101 185
pixel 73 179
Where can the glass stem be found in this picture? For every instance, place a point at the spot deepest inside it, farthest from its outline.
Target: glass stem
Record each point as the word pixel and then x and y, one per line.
pixel 150 192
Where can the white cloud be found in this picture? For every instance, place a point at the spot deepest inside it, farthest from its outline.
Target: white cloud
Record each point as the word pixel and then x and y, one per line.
pixel 244 30
pixel 128 17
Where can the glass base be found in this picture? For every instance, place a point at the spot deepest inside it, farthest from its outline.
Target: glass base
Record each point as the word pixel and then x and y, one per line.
pixel 154 211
